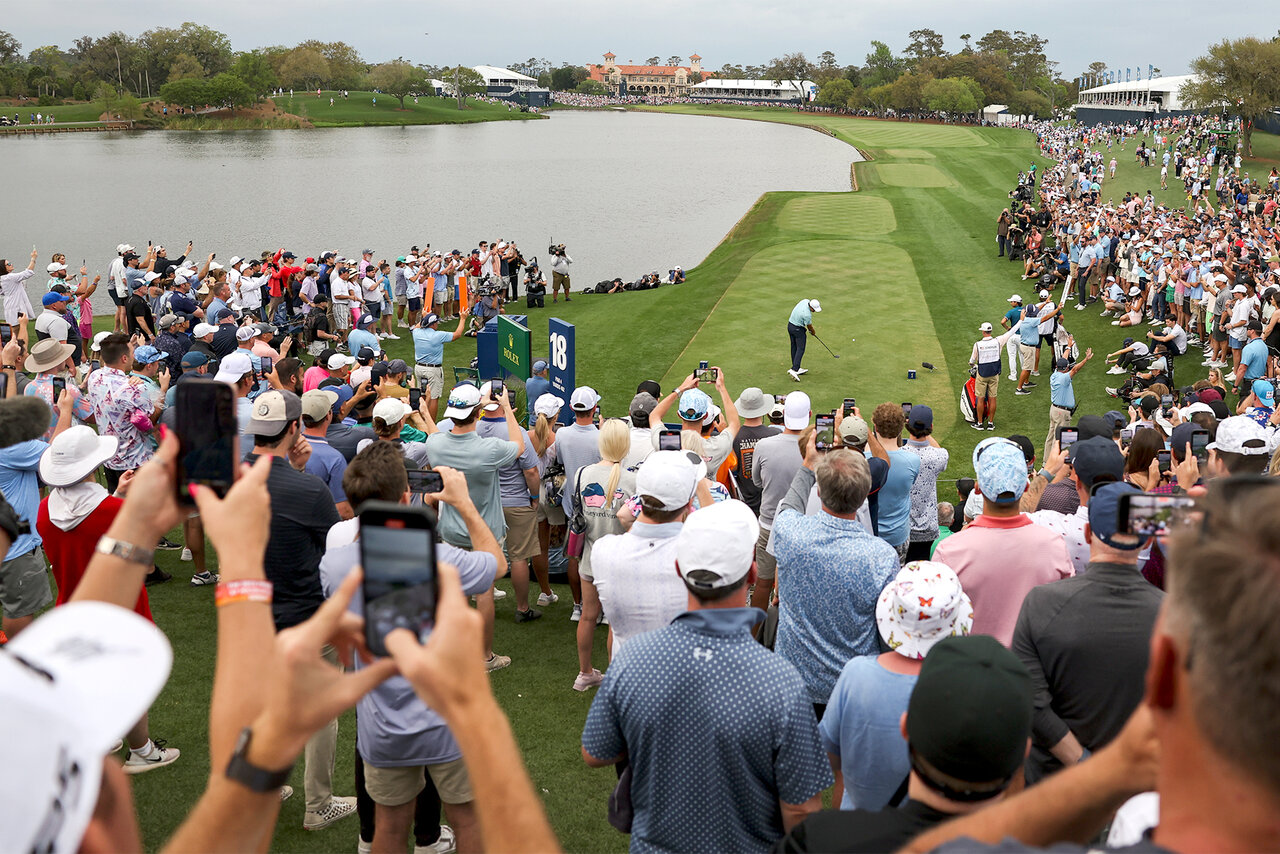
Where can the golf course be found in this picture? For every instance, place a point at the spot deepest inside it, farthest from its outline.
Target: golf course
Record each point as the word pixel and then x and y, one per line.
pixel 905 268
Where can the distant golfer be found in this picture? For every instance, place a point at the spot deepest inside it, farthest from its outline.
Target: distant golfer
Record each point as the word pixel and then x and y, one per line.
pixel 800 320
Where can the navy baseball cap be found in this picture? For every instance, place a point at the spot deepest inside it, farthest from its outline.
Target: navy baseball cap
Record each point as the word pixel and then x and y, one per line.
pixel 1104 516
pixel 920 418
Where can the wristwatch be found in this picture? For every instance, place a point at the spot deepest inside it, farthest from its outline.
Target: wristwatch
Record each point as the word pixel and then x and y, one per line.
pixel 250 776
pixel 125 551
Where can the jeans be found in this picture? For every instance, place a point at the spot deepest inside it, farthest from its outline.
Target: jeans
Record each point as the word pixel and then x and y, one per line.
pixel 1001 241
pixel 1160 306
pixel 798 342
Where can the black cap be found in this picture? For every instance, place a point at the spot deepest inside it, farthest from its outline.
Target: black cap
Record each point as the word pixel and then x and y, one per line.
pixel 1063 364
pixel 1148 404
pixel 1094 425
pixel 1219 408
pixel 652 387
pixel 1128 341
pixel 1028 449
pixel 1096 460
pixel 969 715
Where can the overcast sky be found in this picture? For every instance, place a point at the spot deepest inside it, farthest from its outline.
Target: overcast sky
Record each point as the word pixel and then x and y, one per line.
pixel 500 32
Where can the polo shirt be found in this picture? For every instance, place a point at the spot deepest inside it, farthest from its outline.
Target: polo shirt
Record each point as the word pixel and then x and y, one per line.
pixel 358 338
pixel 717 730
pixel 1029 329
pixel 801 315
pixel 301 513
pixel 775 461
pixel 576 445
pixel 1061 391
pixel 635 576
pixel 862 726
pixel 394 728
pixel 1253 356
pixel 428 347
pixel 998 560
pixel 345 438
pixel 20 485
pixel 534 388
pixel 327 463
pixel 51 324
pixel 512 486
pixel 1085 641
pixel 893 514
pixel 830 574
pixel 479 458
pixel 1071 528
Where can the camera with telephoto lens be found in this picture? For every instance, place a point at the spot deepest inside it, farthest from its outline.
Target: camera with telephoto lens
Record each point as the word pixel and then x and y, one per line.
pixel 556 249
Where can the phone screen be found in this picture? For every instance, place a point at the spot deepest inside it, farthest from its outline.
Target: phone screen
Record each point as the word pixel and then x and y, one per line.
pixel 398 553
pixel 1143 514
pixel 207 430
pixel 6 333
pixel 59 386
pixel 1068 436
pixel 906 409
pixel 495 389
pixel 849 405
pixel 826 427
pixel 1126 436
pixel 705 375
pixel 1164 458
pixel 1166 400
pixel 421 482
pixel 415 398
pixel 94 365
pixel 266 367
pixel 1200 444
pixel 780 398
pixel 669 440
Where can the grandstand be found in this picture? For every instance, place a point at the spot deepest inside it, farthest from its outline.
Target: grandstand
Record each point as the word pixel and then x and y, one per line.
pixel 1132 101
pixel 754 90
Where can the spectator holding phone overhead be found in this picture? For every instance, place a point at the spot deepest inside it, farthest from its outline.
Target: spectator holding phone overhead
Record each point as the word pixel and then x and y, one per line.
pixel 13 288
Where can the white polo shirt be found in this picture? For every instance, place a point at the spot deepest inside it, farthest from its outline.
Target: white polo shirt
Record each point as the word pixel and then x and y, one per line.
pixel 635 575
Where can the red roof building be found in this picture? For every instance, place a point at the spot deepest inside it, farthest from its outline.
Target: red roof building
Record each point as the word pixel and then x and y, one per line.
pixel 662 80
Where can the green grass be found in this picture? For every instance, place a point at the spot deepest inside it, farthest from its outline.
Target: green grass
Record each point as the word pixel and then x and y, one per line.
pixel 909 271
pixel 78 112
pixel 359 110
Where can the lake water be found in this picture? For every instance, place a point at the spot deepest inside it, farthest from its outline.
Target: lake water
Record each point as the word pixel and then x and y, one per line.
pixel 626 192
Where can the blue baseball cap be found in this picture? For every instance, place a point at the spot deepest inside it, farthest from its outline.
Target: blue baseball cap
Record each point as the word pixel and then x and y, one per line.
pixel 1002 470
pixel 1262 389
pixel 694 405
pixel 365 320
pixel 147 355
pixel 194 359
pixel 1104 516
pixel 539 366
pixel 52 297
pixel 920 418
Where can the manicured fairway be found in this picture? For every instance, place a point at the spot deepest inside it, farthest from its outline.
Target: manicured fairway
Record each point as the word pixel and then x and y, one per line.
pixel 359 109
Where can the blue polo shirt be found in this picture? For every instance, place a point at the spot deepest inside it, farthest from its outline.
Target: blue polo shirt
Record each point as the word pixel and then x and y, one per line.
pixel 327 463
pixel 1254 359
pixel 1029 328
pixel 717 729
pixel 801 315
pixel 358 338
pixel 428 346
pixel 894 510
pixel 1061 391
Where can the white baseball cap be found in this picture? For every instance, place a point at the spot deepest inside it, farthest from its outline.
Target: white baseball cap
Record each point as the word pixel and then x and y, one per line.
pixel 246 333
pixel 486 390
pixel 815 306
pixel 464 398
pixel 203 329
pixel 985 327
pixel 233 367
pixel 583 399
pixel 1014 298
pixel 1240 434
pixel 337 361
pixel 391 410
pixel 71 685
pixel 1044 294
pixel 717 545
pixel 55 267
pixel 97 341
pixel 548 404
pixel 668 477
pixel 795 411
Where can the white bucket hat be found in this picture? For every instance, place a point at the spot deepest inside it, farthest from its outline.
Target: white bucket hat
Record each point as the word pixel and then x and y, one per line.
pixel 922 605
pixel 73 454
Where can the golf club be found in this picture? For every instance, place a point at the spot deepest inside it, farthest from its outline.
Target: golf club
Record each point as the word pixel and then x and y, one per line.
pixel 824 344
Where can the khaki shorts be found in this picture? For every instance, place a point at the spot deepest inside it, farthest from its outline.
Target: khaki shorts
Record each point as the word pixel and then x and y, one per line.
pixel 1027 356
pixel 522 532
pixel 431 379
pixel 402 299
pixel 552 514
pixel 766 564
pixel 24 585
pixel 392 787
pixel 985 386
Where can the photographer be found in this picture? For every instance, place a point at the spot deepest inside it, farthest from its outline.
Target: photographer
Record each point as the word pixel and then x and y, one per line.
pixel 560 262
pixel 535 286
pixel 489 305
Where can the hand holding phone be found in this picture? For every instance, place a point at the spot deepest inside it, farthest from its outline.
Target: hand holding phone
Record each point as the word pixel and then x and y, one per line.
pixel 425 482
pixel 397 552
pixel 1067 436
pixel 207 437
pixel 669 440
pixel 415 398
pixel 849 406
pixel 825 437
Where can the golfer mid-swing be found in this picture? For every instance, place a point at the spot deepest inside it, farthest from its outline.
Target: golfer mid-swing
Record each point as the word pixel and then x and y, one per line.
pixel 800 320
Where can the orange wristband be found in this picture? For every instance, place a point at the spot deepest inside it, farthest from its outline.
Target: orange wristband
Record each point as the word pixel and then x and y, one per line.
pixel 244 590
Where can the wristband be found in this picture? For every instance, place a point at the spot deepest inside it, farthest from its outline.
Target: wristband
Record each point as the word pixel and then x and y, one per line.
pixel 244 590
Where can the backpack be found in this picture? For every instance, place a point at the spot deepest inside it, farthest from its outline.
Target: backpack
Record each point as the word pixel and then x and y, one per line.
pixel 553 478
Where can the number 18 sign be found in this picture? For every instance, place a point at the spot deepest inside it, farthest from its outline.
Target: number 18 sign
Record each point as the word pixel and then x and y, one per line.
pixel 564 377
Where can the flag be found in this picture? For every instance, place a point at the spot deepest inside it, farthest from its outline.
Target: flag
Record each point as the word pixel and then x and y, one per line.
pixel 1126 75
pixel 1151 70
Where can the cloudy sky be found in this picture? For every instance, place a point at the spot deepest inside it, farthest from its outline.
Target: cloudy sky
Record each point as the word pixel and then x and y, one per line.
pixel 499 32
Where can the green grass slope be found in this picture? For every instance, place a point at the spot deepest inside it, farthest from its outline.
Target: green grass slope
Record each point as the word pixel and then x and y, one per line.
pixel 359 110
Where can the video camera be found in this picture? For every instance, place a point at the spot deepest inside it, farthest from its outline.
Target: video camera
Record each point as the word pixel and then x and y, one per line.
pixel 556 249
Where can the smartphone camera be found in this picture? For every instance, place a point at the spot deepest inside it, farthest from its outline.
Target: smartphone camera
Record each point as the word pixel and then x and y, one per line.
pixel 1164 459
pixel 825 440
pixel 397 551
pixel 705 375
pixel 1145 515
pixel 1067 436
pixel 424 482
pixel 415 398
pixel 207 430
pixel 849 405
pixel 669 440
pixel 906 410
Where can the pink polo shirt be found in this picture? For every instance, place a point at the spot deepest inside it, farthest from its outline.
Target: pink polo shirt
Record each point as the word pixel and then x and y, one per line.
pixel 997 561
pixel 312 377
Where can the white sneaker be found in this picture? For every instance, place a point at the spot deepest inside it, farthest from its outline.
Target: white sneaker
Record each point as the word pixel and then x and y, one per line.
pixel 499 593
pixel 393 336
pixel 588 680
pixel 1115 323
pixel 159 756
pixel 1013 378
pixel 402 325
pixel 545 599
pixel 1207 363
pixel 1079 308
pixel 286 792
pixel 1117 370
pixel 577 613
pixel 186 555
pixel 336 810
pixel 1035 373
pixel 793 375
pixel 446 844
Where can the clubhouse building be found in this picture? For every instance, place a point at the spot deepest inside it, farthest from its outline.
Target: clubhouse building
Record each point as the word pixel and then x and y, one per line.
pixel 667 81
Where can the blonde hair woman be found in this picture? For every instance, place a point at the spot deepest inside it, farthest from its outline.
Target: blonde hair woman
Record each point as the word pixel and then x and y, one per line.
pixel 601 489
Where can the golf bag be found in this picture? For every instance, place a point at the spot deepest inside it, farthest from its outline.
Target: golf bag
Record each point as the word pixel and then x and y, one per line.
pixel 969 400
